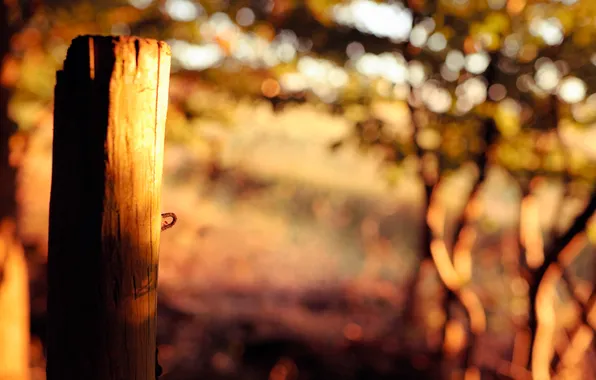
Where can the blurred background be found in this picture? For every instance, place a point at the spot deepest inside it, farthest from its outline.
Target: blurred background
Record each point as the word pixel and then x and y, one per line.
pixel 364 189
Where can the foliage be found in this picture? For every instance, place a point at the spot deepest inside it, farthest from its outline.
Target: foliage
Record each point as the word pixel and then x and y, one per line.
pixel 539 53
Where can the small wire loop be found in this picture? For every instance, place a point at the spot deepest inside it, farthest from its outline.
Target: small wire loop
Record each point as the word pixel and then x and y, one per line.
pixel 164 224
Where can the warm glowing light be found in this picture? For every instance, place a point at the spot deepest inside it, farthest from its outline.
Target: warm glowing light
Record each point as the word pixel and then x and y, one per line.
pixel 437 42
pixel 572 90
pixel 472 374
pixel 140 4
pixel 196 57
pixel 515 6
pixel 428 138
pixel 436 98
pixel 311 67
pixel 455 60
pixel 547 76
pixel 393 21
pixel 455 337
pixel 270 88
pixel 293 82
pixel 416 73
pixel 550 30
pixel 477 63
pixel 285 51
pixel 182 10
pixel 418 36
pixel 386 65
pixel 322 76
pixel 473 91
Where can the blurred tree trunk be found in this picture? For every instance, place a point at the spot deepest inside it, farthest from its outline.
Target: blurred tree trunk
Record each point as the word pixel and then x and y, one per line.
pixel 14 306
pixel 7 173
pixel 14 293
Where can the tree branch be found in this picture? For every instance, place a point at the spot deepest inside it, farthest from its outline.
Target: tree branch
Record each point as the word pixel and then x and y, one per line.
pixel 551 258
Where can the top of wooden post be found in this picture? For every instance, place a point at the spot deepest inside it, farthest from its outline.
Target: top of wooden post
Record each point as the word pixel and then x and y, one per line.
pixel 93 56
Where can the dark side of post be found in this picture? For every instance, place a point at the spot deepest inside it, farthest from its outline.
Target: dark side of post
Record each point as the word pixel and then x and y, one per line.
pixel 110 108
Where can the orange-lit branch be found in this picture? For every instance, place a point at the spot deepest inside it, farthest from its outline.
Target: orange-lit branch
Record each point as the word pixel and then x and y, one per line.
pixel 513 371
pixel 454 281
pixel 445 268
pixel 462 253
pixel 542 293
pixel 543 344
pixel 435 217
pixel 580 343
pixel 455 274
pixel 572 250
pixel 475 310
pixel 455 338
pixel 581 294
pixel 543 348
pixel 530 232
pixel 472 373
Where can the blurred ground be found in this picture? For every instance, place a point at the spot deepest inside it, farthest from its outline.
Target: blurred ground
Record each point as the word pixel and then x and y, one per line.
pixel 289 261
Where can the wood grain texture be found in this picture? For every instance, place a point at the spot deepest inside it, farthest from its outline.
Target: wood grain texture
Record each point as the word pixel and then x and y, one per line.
pixel 105 221
pixel 14 306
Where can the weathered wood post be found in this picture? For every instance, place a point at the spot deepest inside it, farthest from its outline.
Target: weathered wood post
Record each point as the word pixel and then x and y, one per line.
pixel 110 107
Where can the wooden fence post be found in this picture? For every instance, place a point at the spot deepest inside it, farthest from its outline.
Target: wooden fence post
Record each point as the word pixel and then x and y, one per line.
pixel 110 107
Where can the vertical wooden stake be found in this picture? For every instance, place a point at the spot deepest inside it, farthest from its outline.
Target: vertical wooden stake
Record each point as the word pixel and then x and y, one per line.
pixel 14 306
pixel 109 119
